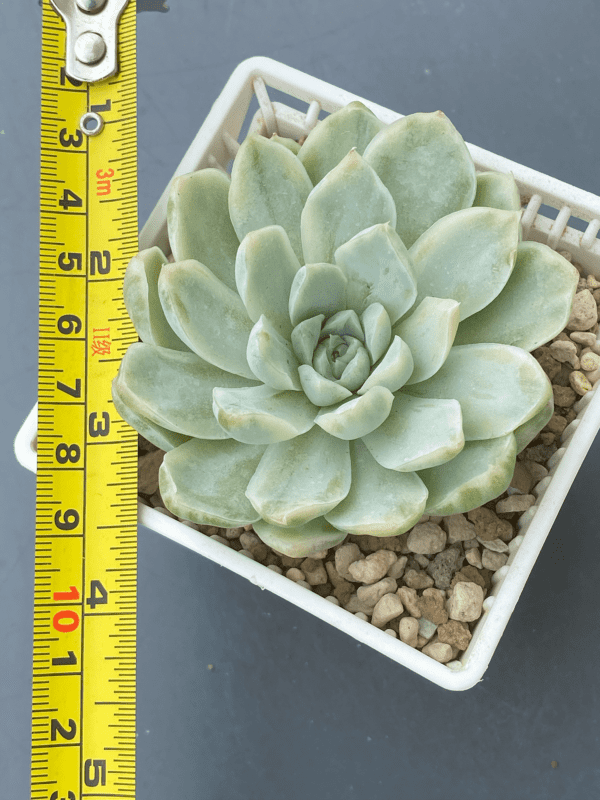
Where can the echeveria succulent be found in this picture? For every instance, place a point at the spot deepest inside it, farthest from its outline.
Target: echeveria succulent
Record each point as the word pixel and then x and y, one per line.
pixel 340 343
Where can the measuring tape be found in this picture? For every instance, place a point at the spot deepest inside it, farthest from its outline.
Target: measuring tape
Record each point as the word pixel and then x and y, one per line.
pixel 84 642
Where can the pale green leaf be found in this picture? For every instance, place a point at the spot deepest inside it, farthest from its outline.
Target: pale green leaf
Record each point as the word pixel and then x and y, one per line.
pixel 317 289
pixel 429 331
pixel 264 271
pixel 424 162
pixel 418 433
pixel 348 200
pixel 271 357
pixel 467 256
pixel 499 387
pixel 533 307
pixel 163 438
pixel 198 222
pixel 380 502
pixel 140 293
pixel 332 138
pixel 208 316
pixel 301 479
pixel 174 389
pixel 302 541
pixel 379 270
pixel 269 186
pixel 319 390
pixel 357 417
pixel 378 330
pixel 394 369
pixel 305 337
pixel 478 474
pixel 261 415
pixel 205 482
pixel 497 190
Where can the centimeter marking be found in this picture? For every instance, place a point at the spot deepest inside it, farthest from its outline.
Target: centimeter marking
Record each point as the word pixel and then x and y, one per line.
pixel 84 640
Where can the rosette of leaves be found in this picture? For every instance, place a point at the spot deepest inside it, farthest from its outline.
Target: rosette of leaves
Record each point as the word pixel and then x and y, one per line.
pixel 342 340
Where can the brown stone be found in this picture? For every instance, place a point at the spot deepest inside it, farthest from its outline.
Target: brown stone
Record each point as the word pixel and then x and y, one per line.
pixel 416 579
pixel 544 358
pixel 488 526
pixel 432 606
pixel 557 425
pixel 314 570
pixel 455 633
pixel 564 396
pixel 410 600
pixel 148 471
pixel 471 574
pixel 521 479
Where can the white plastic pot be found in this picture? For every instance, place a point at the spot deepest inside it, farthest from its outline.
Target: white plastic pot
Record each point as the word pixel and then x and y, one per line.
pixel 214 146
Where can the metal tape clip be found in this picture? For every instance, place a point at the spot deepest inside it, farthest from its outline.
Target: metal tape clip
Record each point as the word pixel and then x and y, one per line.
pixel 91 37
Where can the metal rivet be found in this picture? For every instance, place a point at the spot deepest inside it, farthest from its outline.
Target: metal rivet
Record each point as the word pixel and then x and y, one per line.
pixel 90 48
pixel 91 5
pixel 91 123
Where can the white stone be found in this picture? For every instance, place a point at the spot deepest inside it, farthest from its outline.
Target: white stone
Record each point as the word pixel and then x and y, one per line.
pixel 389 607
pixel 565 352
pixel 371 594
pixel 333 600
pixel 497 545
pixel 584 312
pixel 466 602
pixel 344 556
pixel 493 561
pixel 373 567
pixel 427 628
pixel 438 651
pixel 516 502
pixel 409 630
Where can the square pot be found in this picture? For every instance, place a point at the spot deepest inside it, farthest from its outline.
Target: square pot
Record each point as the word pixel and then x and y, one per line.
pixel 214 146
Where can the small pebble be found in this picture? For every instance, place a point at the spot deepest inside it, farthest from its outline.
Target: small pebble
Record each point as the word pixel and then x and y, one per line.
pixel 493 561
pixel 409 630
pixel 516 502
pixel 354 604
pixel 566 353
pixel 557 424
pixel 584 338
pixel 148 471
pixel 427 628
pixel 488 526
pixel 294 574
pixel 391 632
pixel 372 568
pixel 387 608
pixel 254 545
pixel 465 604
pixel 426 538
pixel 396 571
pixel 579 382
pixel 474 557
pixel 537 471
pixel 458 528
pixel 432 606
pixel 344 556
pixel 422 561
pixel 439 651
pixel 361 615
pixel 443 566
pixel 246 553
pixel 314 571
pixel 275 568
pixel 233 533
pixel 564 396
pixel 421 641
pixel 584 312
pixel 373 593
pixel 410 600
pixel 497 545
pixel 303 583
pixel 333 600
pixel 415 579
pixel 220 539
pixel 455 633
pixel 522 479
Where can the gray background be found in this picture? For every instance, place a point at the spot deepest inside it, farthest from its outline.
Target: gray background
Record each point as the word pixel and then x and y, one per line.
pixel 293 708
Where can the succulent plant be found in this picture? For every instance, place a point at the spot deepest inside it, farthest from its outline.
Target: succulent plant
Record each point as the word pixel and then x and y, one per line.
pixel 342 340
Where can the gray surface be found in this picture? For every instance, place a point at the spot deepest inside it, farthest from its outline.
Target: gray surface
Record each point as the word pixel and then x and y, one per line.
pixel 293 708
